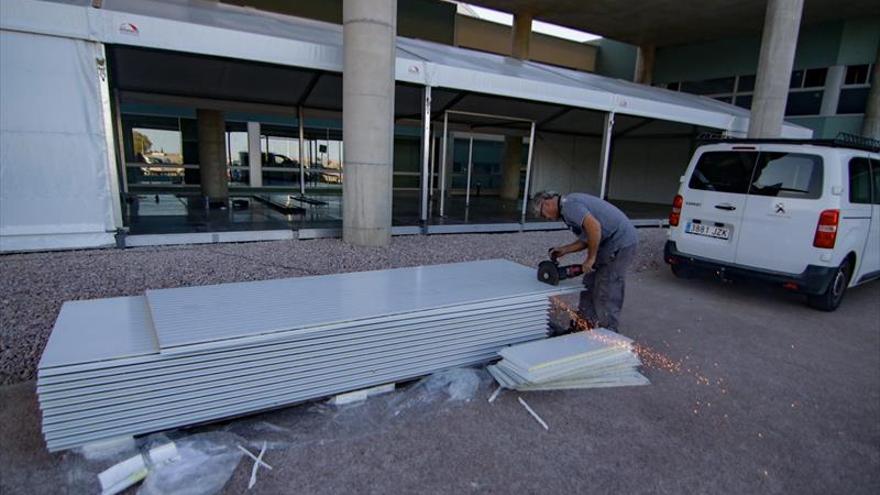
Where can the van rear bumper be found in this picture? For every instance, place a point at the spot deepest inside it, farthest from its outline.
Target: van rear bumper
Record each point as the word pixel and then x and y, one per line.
pixel 813 280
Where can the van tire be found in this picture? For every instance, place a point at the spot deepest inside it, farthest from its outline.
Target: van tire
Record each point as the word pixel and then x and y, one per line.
pixel 833 295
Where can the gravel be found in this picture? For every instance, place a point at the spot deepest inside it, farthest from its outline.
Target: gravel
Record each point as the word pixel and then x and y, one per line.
pixel 33 286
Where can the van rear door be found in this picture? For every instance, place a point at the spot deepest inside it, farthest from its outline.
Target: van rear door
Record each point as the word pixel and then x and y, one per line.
pixel 781 212
pixel 714 201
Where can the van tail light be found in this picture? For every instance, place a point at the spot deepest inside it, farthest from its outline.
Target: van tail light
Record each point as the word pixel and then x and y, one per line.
pixel 826 230
pixel 675 214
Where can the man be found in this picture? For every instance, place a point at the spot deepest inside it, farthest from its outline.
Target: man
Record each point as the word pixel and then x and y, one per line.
pixel 611 241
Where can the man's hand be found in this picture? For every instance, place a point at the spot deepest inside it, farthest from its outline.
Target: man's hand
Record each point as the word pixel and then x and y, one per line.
pixel 556 253
pixel 588 264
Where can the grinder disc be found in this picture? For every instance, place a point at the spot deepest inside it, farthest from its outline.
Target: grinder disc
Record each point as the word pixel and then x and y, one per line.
pixel 548 272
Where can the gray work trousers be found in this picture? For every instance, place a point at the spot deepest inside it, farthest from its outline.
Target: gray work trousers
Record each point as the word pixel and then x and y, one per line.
pixel 602 297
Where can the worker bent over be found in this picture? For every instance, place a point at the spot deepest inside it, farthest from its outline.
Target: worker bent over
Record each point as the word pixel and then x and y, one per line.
pixel 610 240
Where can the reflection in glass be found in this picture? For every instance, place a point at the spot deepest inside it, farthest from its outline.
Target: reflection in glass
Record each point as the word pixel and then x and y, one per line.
pixel 160 152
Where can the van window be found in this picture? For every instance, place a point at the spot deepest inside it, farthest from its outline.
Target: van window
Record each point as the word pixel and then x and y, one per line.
pixel 788 175
pixel 859 181
pixel 724 171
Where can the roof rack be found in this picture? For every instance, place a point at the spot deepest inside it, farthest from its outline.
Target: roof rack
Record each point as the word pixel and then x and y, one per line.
pixel 843 140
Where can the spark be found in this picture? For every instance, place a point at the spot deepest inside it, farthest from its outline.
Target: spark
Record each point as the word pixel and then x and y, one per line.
pixel 650 357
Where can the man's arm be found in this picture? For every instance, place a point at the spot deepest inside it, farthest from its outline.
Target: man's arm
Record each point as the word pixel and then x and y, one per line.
pixel 577 245
pixel 593 229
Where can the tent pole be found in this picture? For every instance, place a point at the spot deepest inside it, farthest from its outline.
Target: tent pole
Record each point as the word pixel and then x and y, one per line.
pixel 426 153
pixel 443 165
pixel 433 164
pixel 605 156
pixel 525 202
pixel 302 157
pixel 467 194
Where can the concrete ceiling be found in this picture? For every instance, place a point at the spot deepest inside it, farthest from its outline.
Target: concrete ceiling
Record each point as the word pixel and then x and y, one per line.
pixel 672 22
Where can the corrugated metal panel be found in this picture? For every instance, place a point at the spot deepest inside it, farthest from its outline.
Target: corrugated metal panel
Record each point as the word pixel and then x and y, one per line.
pixel 195 315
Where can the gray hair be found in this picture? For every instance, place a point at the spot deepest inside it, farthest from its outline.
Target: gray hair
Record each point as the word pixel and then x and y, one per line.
pixel 538 199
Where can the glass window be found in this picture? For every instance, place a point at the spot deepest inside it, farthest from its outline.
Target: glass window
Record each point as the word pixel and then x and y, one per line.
pixel 724 171
pixel 674 86
pixel 744 101
pixel 725 99
pixel 859 181
pixel 815 78
pixel 853 100
pixel 804 103
pixel 746 83
pixel 797 79
pixel 856 74
pixel 788 175
pixel 159 150
pixel 709 86
pixel 280 159
pixel 237 157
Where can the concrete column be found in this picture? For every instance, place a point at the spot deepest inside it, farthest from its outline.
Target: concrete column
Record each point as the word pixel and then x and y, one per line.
pixel 212 156
pixel 520 35
pixel 644 73
pixel 511 158
pixel 778 43
pixel 511 163
pixel 831 94
pixel 255 155
pixel 871 123
pixel 369 30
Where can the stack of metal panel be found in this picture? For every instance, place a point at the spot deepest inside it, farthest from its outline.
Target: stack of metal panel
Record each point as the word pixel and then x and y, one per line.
pixel 176 357
pixel 592 359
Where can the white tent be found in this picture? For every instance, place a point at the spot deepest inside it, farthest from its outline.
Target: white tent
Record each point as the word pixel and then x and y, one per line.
pixel 64 192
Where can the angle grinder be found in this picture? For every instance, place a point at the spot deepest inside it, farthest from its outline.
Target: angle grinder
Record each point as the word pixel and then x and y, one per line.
pixel 551 273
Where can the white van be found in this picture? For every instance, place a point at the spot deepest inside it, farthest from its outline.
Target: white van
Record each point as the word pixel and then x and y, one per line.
pixel 801 214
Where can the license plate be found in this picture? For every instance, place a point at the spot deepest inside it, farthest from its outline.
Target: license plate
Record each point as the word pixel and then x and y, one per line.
pixel 708 230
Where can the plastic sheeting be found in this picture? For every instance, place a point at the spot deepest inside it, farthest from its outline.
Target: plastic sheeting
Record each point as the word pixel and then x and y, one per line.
pixel 55 179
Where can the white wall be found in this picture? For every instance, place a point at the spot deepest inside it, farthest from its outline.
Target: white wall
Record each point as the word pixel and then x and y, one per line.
pixel 566 163
pixel 647 170
pixel 642 170
pixel 56 180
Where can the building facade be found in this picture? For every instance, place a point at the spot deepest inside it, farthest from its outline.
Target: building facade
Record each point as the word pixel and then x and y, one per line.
pixel 829 84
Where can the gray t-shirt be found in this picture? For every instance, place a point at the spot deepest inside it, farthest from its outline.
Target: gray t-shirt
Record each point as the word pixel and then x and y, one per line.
pixel 617 231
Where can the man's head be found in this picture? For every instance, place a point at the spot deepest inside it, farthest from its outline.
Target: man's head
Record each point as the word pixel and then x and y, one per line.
pixel 545 204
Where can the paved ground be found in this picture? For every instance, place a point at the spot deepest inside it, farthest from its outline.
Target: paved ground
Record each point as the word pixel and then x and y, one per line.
pixel 752 393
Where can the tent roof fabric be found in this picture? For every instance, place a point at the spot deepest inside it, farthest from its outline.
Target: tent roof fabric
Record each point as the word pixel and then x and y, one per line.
pixel 217 29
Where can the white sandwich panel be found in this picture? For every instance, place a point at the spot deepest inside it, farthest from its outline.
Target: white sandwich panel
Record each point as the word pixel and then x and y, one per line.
pixel 100 329
pixel 91 394
pixel 52 379
pixel 205 314
pixel 110 325
pixel 567 348
pixel 272 400
pixel 229 389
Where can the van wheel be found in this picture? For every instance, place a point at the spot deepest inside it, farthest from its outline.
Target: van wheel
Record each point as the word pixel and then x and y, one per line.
pixel 683 271
pixel 830 300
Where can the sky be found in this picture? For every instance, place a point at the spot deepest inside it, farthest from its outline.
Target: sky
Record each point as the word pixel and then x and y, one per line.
pixel 537 26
